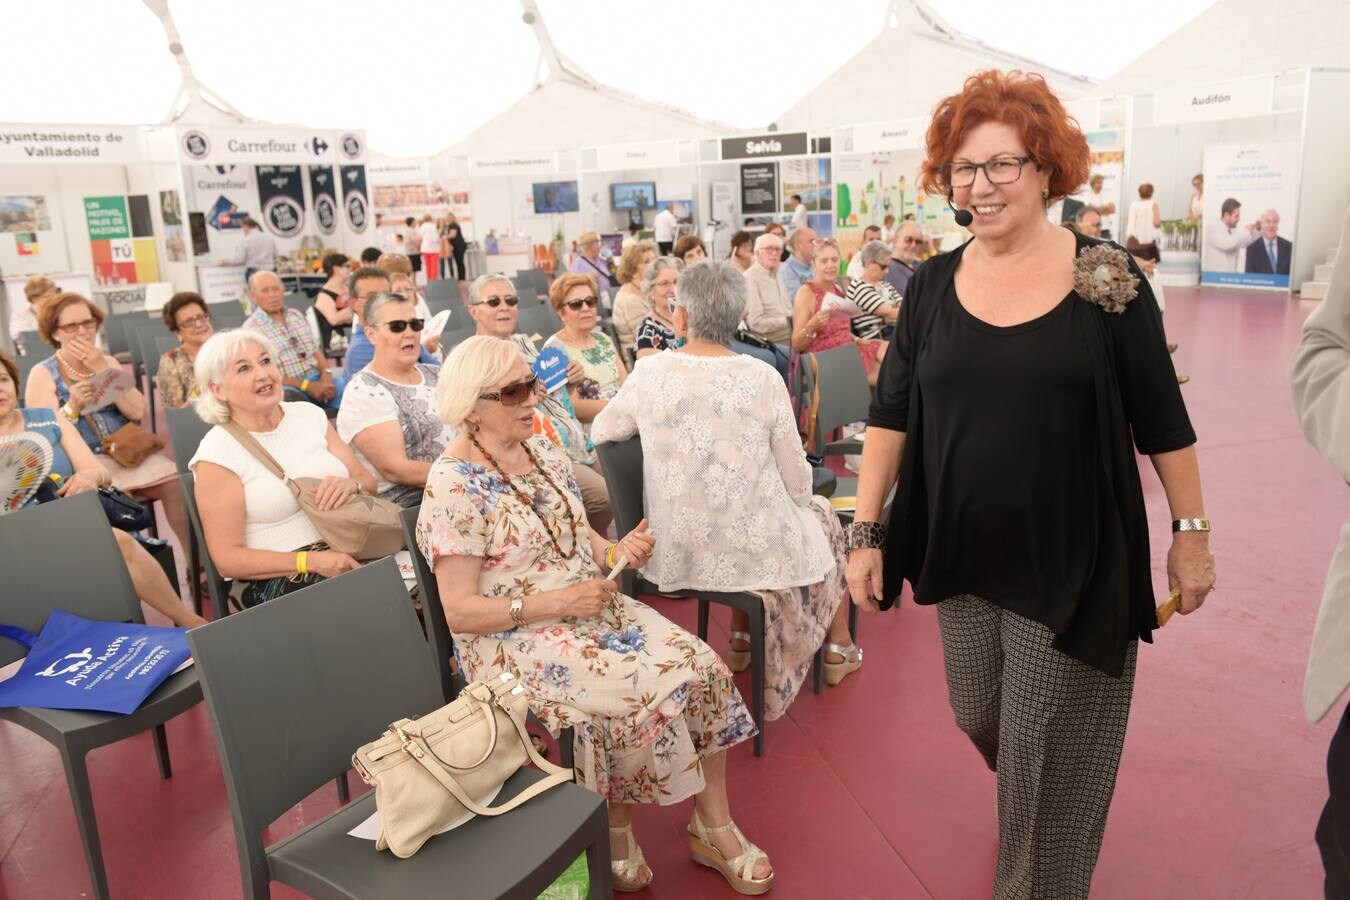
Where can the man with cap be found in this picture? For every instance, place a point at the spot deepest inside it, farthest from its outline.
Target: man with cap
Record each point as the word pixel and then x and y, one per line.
pixel 587 261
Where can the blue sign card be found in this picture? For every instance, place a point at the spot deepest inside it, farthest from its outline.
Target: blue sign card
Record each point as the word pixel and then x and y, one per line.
pixel 76 663
pixel 551 367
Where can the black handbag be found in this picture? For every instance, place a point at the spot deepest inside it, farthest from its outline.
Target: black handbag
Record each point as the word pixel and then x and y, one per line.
pixel 123 511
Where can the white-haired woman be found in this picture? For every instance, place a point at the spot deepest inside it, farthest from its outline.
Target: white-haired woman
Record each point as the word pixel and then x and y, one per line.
pixel 656 332
pixel 876 299
pixel 522 583
pixel 729 488
pixel 255 530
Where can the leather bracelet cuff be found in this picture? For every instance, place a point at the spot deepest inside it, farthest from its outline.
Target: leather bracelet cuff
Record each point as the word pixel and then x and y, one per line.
pixel 865 536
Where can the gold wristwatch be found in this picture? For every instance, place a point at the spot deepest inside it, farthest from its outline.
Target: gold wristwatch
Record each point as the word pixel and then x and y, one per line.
pixel 1190 525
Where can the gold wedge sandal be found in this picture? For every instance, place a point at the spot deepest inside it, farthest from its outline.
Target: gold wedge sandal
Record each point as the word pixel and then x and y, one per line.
pixel 628 871
pixel 739 871
pixel 836 672
pixel 739 660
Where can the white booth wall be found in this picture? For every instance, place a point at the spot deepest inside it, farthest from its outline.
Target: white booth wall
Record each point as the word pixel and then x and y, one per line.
pixel 1324 177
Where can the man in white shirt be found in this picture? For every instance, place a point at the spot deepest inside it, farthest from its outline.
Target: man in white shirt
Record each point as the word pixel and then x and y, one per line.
pixel 1104 207
pixel 1225 241
pixel 798 214
pixel 665 226
pixel 855 264
pixel 257 252
pixel 768 308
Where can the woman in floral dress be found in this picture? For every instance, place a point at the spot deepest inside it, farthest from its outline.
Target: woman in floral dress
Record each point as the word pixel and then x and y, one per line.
pixel 576 299
pixel 521 579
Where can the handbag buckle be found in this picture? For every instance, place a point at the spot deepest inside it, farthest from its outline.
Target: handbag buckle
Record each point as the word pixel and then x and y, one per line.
pixel 407 742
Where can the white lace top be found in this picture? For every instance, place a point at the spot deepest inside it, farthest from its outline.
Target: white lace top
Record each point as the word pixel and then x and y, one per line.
pixel 726 481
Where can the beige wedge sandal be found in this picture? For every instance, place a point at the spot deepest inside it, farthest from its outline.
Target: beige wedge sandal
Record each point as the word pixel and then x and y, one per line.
pixel 739 871
pixel 739 660
pixel 836 672
pixel 628 871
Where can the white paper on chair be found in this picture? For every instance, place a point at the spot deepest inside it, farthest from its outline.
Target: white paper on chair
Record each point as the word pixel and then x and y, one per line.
pixel 436 325
pixel 109 385
pixel 403 559
pixel 369 830
pixel 834 302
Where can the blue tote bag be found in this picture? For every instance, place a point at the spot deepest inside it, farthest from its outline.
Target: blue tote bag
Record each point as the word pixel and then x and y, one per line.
pixel 76 663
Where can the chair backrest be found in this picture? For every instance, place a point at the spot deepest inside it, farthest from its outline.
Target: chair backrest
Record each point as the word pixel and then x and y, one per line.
pixel 217 588
pixel 622 464
pixel 451 339
pixel 844 392
pixel 226 315
pixel 439 640
pixel 440 290
pixel 298 300
pixel 30 361
pixel 121 331
pixel 539 278
pixel 535 319
pixel 146 351
pixel 62 554
pixel 294 686
pixel 186 430
pixel 160 344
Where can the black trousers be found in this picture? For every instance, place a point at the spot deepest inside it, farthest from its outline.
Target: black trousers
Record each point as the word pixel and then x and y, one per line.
pixel 665 247
pixel 1333 829
pixel 460 273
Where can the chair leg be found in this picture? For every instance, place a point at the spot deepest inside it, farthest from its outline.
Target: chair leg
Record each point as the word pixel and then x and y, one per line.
pixel 161 739
pixel 194 565
pixel 852 620
pixel 757 654
pixel 344 792
pixel 818 671
pixel 77 779
pixel 566 749
pixel 702 619
pixel 597 855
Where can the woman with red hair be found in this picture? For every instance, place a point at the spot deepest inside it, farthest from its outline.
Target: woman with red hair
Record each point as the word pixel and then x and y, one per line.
pixel 1026 368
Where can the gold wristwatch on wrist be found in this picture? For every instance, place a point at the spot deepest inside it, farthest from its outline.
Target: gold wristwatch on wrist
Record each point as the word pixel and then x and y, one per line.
pixel 1179 525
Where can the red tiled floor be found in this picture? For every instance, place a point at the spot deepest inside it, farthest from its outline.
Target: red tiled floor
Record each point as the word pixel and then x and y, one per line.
pixel 869 791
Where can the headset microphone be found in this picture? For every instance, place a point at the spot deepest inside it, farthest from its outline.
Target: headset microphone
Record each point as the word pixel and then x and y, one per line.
pixel 963 216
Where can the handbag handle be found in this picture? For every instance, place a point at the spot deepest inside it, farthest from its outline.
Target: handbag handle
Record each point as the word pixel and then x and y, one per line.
pixel 492 742
pixel 417 748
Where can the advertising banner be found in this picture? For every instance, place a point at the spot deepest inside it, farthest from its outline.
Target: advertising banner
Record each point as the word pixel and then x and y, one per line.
pixel 1251 206
pixel 876 137
pixel 355 199
pixel 762 146
pixel 525 164
pixel 808 178
pixel 210 145
pixel 1218 100
pixel 395 202
pixel 759 188
pixel 281 195
pixel 324 193
pixel 47 144
pixel 649 155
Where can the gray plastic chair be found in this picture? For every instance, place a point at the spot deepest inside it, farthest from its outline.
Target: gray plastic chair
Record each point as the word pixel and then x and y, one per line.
pixel 186 430
pixel 439 640
pixel 622 464
pixel 539 278
pixel 538 319
pixel 226 315
pixel 845 397
pixel 217 588
pixel 351 659
pixel 30 361
pixel 154 343
pixel 39 578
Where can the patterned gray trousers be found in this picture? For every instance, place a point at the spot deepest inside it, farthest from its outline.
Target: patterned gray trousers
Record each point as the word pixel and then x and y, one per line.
pixel 1052 728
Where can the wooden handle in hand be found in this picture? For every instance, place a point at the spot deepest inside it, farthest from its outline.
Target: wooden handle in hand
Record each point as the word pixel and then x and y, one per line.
pixel 1167 609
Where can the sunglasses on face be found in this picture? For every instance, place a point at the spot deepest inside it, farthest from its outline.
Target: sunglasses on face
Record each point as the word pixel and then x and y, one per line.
pixel 513 394
pixel 577 304
pixel 398 326
pixel 494 302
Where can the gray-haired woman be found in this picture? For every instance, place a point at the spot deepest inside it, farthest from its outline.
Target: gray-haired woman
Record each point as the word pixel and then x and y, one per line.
pixel 657 331
pixel 729 487
pixel 876 299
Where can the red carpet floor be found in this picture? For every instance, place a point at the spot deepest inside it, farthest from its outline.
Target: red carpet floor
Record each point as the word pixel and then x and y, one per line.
pixel 869 790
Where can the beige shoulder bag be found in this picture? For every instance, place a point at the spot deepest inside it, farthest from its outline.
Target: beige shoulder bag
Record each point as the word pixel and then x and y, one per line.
pixel 429 772
pixel 366 527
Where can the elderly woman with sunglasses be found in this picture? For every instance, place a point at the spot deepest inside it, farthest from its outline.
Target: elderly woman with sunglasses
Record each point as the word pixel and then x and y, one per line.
pixel 575 300
pixel 522 580
pixel 656 332
pixel 877 301
pixel 821 318
pixel 388 411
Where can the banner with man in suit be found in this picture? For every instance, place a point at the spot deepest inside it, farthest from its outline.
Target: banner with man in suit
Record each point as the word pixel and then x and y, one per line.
pixel 1250 207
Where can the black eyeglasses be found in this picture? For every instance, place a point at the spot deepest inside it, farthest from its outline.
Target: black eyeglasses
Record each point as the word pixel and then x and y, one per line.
pixel 513 394
pixel 588 302
pixel 494 302
pixel 1003 170
pixel 398 326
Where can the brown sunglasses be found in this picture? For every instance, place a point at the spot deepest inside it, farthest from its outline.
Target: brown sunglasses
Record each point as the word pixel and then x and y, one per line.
pixel 513 394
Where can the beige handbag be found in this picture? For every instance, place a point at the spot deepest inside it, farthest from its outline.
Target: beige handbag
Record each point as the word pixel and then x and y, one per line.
pixel 430 772
pixel 365 527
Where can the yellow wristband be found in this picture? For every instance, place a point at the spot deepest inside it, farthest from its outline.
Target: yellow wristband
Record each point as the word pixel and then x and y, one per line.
pixel 609 555
pixel 302 562
pixel 304 385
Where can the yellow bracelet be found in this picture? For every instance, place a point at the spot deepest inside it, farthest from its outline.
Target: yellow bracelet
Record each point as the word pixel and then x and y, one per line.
pixel 304 385
pixel 609 555
pixel 302 562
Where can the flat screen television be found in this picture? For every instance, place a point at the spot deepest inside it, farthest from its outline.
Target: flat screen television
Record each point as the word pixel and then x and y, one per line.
pixel 633 195
pixel 556 197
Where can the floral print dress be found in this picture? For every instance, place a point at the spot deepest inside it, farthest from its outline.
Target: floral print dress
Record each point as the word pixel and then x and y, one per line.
pixel 646 698
pixel 599 364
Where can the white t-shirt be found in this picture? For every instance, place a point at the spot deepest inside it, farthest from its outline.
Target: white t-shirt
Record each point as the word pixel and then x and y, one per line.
pixel 798 218
pixel 272 518
pixel 431 238
pixel 665 226
pixel 371 400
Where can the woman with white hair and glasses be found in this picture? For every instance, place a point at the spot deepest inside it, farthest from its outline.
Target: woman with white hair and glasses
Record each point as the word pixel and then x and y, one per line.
pixel 877 301
pixel 255 530
pixel 521 578
pixel 728 488
pixel 656 332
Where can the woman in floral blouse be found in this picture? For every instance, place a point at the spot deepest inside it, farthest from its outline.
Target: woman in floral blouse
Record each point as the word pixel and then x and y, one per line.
pixel 576 300
pixel 521 577
pixel 188 318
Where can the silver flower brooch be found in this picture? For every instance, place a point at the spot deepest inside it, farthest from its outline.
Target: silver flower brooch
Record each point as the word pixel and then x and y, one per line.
pixel 1101 274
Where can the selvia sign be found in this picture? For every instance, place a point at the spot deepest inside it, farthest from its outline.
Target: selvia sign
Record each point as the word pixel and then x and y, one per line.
pixel 765 146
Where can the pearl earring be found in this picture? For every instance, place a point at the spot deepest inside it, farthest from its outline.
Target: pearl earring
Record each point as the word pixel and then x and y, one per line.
pixel 1045 193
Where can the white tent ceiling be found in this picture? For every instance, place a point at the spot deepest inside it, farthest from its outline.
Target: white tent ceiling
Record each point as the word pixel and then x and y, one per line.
pixel 421 77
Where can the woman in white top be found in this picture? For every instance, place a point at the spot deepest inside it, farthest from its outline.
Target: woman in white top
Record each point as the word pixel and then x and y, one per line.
pixel 1197 211
pixel 431 248
pixel 255 530
pixel 728 488
pixel 388 411
pixel 1141 224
